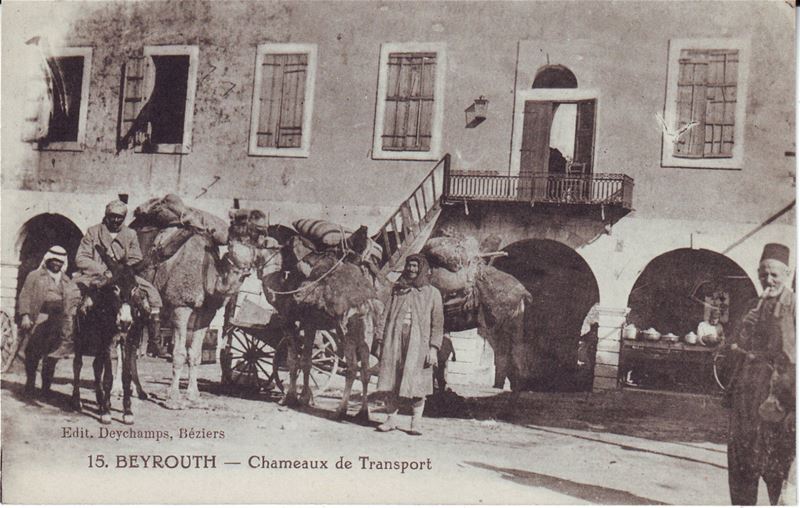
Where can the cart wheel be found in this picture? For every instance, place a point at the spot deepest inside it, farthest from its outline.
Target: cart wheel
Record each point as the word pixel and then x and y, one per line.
pixel 324 360
pixel 721 370
pixel 10 343
pixel 249 362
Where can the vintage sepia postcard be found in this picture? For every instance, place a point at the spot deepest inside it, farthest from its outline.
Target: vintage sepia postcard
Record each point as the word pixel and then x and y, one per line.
pixel 398 252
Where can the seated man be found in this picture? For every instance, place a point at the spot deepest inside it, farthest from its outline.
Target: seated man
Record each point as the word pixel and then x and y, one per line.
pixel 40 307
pixel 121 244
pixel 711 333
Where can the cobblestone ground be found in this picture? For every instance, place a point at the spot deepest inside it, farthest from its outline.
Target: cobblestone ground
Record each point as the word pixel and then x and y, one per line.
pixel 612 448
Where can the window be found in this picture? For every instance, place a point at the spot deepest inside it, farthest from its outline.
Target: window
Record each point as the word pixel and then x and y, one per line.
pixel 410 106
pixel 705 103
pixel 67 75
pixel 554 131
pixel 283 100
pixel 158 100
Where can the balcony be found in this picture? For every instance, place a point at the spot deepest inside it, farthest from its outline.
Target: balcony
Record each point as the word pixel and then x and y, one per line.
pixel 592 189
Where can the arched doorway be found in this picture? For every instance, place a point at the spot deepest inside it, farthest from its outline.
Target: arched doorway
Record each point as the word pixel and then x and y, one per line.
pixel 675 292
pixel 40 233
pixel 564 289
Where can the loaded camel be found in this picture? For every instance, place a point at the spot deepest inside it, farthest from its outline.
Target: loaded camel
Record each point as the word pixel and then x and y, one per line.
pixel 323 291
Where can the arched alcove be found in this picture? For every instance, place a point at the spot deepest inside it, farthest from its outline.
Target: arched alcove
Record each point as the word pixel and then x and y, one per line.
pixel 39 234
pixel 564 289
pixel 554 76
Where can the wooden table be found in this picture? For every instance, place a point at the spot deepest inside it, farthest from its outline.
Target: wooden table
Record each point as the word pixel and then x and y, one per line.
pixel 683 366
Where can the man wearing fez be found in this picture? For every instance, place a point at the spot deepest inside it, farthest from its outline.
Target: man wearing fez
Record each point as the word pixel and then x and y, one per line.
pixel 411 340
pixel 764 342
pixel 121 244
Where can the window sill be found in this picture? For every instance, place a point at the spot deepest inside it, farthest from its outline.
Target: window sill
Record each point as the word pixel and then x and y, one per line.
pixel 166 148
pixel 62 146
pixel 400 155
pixel 297 153
pixel 726 163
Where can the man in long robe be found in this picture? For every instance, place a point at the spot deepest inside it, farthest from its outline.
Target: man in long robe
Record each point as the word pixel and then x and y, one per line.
pixel 758 448
pixel 411 340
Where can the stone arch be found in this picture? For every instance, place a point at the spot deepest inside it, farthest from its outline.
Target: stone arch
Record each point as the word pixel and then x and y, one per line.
pixel 38 234
pixel 676 290
pixel 564 290
pixel 554 76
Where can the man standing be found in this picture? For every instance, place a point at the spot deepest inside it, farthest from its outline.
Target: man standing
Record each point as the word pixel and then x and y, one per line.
pixel 411 340
pixel 121 244
pixel 40 307
pixel 757 448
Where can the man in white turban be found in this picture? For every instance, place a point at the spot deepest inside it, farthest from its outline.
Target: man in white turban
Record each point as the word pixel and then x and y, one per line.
pixel 40 306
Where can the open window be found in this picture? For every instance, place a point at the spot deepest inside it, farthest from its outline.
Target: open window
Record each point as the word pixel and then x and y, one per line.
pixel 283 100
pixel 67 76
pixel 410 106
pixel 158 100
pixel 553 142
pixel 704 113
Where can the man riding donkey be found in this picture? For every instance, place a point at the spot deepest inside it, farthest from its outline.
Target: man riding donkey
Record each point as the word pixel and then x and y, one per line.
pixel 40 307
pixel 113 239
pixel 764 346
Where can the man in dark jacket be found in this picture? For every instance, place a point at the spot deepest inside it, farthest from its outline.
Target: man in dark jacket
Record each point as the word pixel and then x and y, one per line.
pixel 119 243
pixel 40 306
pixel 758 448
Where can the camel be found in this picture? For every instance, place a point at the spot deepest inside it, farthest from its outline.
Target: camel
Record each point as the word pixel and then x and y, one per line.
pixel 194 284
pixel 322 291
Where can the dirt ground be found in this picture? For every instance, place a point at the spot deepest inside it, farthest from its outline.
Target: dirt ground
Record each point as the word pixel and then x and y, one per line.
pixel 623 447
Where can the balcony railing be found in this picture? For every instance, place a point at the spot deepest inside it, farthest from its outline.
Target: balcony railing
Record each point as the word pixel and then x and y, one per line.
pixel 592 189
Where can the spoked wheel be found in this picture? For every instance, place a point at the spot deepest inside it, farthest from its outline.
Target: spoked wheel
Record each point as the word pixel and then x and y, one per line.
pixel 324 360
pixel 721 369
pixel 250 362
pixel 10 342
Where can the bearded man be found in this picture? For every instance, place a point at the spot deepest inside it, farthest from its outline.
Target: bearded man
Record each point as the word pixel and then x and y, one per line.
pixel 411 341
pixel 766 341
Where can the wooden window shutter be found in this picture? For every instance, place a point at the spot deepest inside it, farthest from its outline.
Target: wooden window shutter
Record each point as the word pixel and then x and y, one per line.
pixel 535 149
pixel 137 86
pixel 707 85
pixel 283 88
pixel 408 114
pixel 38 104
pixel 584 135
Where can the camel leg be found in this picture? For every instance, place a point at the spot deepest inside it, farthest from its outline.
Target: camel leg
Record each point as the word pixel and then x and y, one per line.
pixel 290 398
pixel 198 334
pixel 77 364
pixel 350 376
pixel 134 365
pixel 309 334
pixel 180 325
pixel 108 380
pixel 363 357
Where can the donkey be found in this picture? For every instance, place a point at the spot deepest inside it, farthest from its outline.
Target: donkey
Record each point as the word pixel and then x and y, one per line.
pixel 114 309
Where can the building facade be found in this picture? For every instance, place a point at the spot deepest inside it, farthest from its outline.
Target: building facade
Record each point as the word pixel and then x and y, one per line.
pixel 339 110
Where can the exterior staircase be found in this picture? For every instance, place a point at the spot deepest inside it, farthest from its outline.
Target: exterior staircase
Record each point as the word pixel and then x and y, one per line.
pixel 410 226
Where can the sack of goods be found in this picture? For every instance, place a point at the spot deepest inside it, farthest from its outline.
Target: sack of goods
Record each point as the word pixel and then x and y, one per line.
pixel 499 293
pixel 322 232
pixel 447 281
pixel 452 253
pixel 171 211
pixel 325 234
